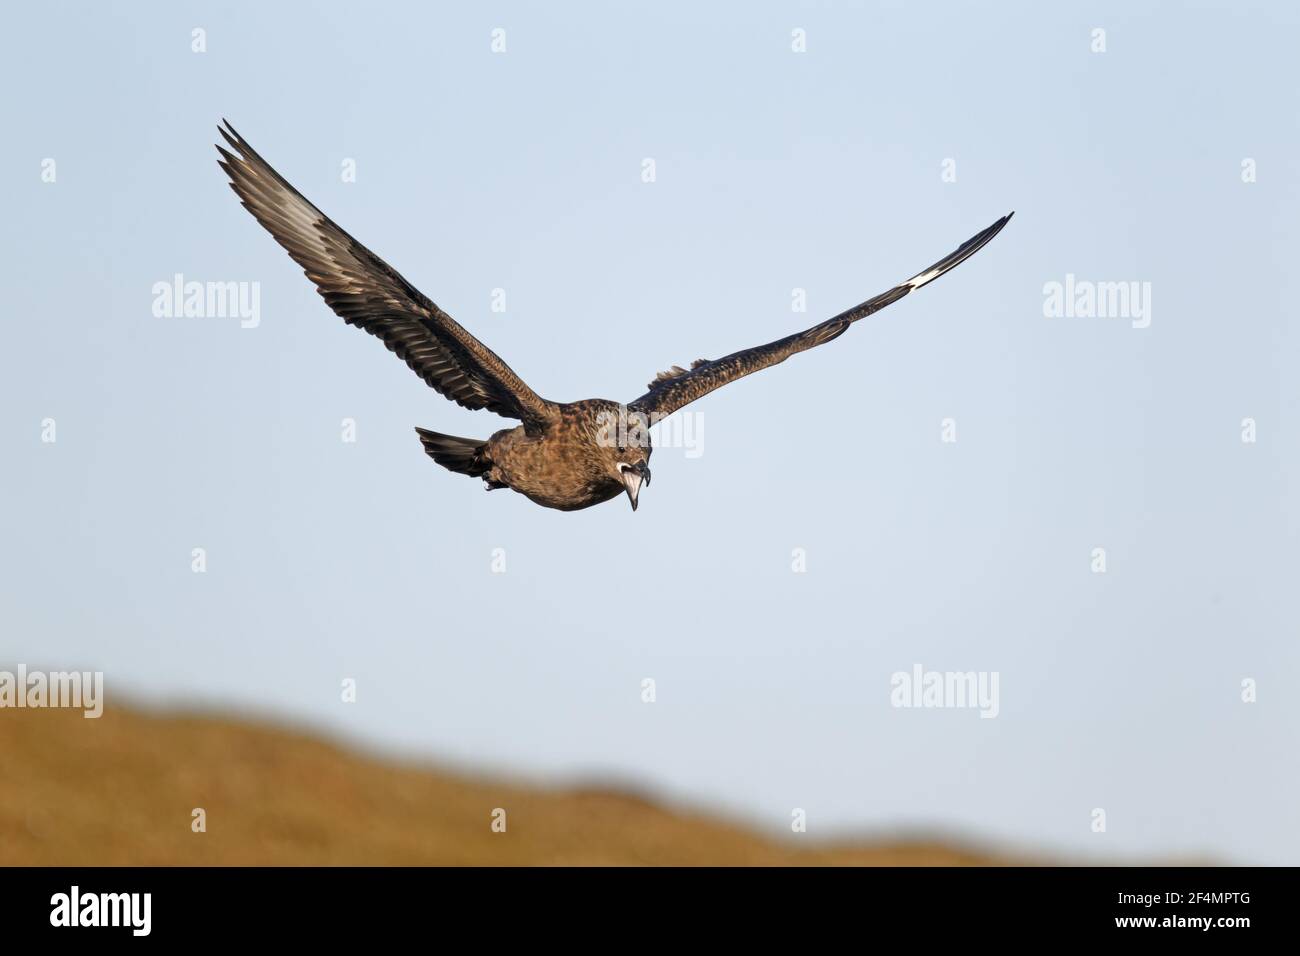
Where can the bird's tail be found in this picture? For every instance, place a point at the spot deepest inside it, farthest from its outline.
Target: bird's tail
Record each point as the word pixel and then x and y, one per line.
pixel 463 455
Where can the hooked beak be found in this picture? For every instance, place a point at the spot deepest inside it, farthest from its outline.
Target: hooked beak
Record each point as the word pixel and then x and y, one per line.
pixel 633 476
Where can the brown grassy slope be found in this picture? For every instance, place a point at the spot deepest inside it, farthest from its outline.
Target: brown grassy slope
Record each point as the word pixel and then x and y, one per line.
pixel 120 791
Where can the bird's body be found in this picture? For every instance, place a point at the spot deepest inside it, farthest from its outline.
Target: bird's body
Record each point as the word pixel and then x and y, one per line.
pixel 565 456
pixel 570 464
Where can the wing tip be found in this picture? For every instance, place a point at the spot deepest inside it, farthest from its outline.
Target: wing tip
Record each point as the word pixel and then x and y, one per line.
pixel 963 252
pixel 232 139
pixel 997 227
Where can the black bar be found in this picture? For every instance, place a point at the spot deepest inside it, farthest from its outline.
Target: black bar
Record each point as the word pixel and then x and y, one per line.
pixel 996 904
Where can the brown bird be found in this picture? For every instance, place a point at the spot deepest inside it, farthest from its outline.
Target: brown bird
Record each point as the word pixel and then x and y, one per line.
pixel 565 455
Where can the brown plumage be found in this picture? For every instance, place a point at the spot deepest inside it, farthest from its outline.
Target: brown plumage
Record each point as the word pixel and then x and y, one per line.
pixel 563 455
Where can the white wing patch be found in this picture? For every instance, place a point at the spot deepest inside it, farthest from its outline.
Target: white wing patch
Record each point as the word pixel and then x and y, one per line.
pixel 917 281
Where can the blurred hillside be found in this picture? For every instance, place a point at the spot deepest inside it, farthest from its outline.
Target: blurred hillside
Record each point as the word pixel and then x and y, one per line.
pixel 120 791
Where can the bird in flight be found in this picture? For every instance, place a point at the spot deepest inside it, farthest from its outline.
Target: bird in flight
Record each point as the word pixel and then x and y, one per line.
pixel 564 455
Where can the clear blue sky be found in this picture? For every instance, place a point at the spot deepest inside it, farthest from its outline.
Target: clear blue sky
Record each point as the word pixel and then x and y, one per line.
pixel 775 170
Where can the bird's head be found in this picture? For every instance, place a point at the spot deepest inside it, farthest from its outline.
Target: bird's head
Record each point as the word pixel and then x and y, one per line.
pixel 634 471
pixel 626 452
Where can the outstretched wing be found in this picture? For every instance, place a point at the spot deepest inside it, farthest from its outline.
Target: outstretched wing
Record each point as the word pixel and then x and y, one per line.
pixel 677 387
pixel 369 294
